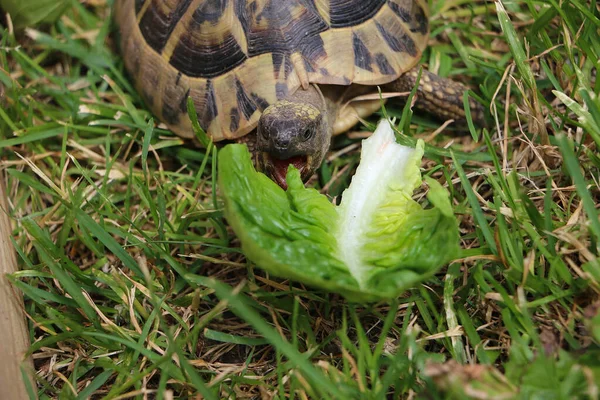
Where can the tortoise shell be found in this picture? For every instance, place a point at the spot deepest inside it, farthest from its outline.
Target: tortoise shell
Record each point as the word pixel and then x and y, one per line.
pixel 236 57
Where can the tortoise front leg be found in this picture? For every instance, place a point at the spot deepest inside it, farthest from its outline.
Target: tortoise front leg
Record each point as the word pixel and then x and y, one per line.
pixel 439 96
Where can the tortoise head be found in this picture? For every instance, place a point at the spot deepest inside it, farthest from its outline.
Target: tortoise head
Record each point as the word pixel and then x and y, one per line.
pixel 294 133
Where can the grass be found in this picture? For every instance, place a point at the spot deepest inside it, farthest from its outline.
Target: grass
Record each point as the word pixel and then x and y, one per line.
pixel 135 287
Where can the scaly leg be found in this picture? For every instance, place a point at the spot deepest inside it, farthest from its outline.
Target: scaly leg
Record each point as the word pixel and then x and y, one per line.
pixel 439 96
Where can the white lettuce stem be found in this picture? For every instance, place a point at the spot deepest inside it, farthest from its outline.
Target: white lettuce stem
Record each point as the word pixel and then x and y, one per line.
pixel 383 165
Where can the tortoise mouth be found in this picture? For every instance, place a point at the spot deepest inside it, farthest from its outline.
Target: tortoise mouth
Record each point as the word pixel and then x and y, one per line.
pixel 277 168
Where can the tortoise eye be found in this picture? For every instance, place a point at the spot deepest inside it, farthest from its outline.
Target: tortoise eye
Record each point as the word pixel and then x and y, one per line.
pixel 308 133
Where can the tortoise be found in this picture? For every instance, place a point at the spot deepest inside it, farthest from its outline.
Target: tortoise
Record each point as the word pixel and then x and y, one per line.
pixel 281 75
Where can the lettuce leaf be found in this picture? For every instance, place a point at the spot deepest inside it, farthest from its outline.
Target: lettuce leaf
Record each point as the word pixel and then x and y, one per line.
pixel 376 244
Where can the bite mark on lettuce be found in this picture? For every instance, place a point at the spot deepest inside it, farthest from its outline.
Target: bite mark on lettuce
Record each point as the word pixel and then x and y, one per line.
pixel 375 245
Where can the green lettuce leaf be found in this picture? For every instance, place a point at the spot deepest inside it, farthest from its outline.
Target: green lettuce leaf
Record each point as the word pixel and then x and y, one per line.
pixel 376 244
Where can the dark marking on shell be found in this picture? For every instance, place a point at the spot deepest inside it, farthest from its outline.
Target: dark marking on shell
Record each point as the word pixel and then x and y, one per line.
pixel 172 96
pixel 416 19
pixel 234 119
pixel 422 21
pixel 403 13
pixel 281 90
pixel 156 27
pixel 400 42
pixel 210 11
pixel 288 67
pixel 210 110
pixel 259 101
pixel 183 104
pixel 344 13
pixel 392 41
pixel 244 102
pixel 277 59
pixel 148 97
pixel 310 4
pixel 362 56
pixel 241 10
pixel 383 64
pixel 313 48
pixel 170 113
pixel 273 29
pixel 307 65
pixel 205 59
pixel 178 78
pixel 138 6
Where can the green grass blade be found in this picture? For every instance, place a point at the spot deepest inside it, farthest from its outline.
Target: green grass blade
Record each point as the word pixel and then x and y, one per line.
pixel 240 307
pixel 589 205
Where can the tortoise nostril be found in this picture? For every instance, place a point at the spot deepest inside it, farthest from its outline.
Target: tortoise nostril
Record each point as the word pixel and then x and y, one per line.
pixel 281 142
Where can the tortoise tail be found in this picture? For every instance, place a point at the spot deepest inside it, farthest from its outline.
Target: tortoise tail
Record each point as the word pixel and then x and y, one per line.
pixel 441 97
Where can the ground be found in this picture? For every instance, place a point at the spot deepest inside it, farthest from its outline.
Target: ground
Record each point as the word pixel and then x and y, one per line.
pixel 114 216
